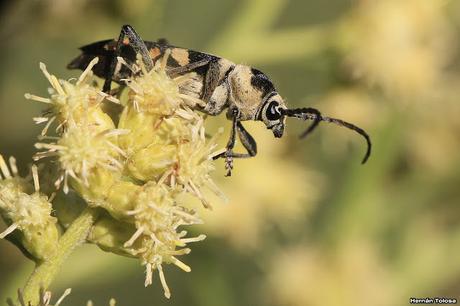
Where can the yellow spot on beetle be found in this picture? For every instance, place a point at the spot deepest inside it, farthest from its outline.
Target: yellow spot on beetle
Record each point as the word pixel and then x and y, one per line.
pixel 181 56
pixel 154 52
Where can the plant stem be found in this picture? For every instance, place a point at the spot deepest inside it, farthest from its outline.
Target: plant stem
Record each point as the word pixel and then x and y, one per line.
pixel 46 271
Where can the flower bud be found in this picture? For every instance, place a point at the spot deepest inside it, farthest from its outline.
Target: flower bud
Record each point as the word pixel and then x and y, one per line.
pixel 142 130
pixel 152 162
pixel 111 234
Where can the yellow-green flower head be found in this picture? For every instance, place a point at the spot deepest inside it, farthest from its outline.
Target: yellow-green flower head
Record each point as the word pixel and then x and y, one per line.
pixel 194 167
pixel 29 213
pixel 10 182
pixel 158 239
pixel 17 206
pixel 81 149
pixel 154 92
pixel 79 102
pixel 154 209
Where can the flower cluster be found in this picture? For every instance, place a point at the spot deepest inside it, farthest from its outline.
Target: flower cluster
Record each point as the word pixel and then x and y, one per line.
pixel 132 157
pixel 27 210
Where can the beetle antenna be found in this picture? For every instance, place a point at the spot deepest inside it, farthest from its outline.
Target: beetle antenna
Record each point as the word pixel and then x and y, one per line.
pixel 315 115
pixel 305 113
pixel 358 130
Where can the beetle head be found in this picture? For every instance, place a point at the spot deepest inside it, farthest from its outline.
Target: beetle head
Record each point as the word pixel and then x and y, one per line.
pixel 272 113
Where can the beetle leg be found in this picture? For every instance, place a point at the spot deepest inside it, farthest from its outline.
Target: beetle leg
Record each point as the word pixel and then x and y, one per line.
pixel 231 143
pixel 246 139
pixel 248 142
pixel 135 41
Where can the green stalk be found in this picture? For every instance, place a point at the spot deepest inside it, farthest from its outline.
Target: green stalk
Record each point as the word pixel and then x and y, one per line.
pixel 46 271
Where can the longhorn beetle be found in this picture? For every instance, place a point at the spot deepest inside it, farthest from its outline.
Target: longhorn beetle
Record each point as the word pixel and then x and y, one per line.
pixel 246 93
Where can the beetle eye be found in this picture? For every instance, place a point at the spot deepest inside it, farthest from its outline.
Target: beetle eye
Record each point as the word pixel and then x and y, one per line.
pixel 273 112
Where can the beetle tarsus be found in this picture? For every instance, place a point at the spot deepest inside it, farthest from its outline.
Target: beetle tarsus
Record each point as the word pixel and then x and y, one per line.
pixel 229 162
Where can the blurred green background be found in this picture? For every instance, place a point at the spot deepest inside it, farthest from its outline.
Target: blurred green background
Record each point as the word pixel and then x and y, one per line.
pixel 306 223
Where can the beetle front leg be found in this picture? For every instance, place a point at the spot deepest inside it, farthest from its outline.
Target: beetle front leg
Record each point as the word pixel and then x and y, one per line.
pixel 246 139
pixel 248 142
pixel 135 41
pixel 228 154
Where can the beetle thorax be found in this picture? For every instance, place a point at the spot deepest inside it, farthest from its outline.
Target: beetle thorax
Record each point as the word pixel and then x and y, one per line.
pixel 243 95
